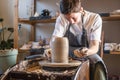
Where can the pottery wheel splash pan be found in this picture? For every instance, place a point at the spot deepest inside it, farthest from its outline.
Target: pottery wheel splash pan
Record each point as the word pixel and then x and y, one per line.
pixel 47 65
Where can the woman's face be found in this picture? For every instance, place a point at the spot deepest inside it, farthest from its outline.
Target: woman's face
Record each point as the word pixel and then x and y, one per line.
pixel 73 17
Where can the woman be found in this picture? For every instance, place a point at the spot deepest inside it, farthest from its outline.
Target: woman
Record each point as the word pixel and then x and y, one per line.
pixel 74 22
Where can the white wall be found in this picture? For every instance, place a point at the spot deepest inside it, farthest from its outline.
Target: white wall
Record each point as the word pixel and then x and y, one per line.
pixel 6 12
pixel 101 5
pixel 111 28
pixel 48 27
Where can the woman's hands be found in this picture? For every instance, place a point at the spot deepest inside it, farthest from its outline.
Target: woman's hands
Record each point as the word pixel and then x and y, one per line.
pixel 81 52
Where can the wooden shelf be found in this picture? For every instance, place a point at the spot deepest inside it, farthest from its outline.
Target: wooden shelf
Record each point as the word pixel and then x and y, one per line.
pixel 111 18
pixel 27 21
pixel 114 52
pixel 52 20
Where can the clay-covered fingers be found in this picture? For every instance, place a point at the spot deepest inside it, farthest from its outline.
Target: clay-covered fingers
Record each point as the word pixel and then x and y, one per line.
pixel 77 53
pixel 47 53
pixel 80 52
pixel 84 51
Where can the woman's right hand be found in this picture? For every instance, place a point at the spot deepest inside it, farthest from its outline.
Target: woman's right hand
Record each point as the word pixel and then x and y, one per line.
pixel 47 54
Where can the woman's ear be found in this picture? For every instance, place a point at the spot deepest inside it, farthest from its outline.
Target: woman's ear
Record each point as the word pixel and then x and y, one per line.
pixel 82 11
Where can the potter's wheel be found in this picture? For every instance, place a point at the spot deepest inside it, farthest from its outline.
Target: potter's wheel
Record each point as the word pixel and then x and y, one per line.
pixel 48 65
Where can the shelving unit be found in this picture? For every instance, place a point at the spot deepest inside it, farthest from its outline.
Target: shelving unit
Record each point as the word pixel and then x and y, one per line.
pixel 34 22
pixel 111 18
pixel 18 20
pixel 115 52
pixel 27 21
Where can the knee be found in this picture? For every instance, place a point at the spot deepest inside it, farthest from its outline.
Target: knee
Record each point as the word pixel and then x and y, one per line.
pixel 98 72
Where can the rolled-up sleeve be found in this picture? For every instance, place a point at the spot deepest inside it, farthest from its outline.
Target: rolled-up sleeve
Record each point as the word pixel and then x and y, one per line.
pixel 96 29
pixel 60 27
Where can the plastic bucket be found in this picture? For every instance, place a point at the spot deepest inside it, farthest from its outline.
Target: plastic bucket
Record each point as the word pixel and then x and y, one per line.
pixel 8 58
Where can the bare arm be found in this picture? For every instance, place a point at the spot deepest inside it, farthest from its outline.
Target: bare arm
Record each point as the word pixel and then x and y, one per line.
pixel 93 49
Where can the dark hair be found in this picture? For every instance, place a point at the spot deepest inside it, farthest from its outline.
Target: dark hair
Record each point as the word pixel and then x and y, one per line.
pixel 70 6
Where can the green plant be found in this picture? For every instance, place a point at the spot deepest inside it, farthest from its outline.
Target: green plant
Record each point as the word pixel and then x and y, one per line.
pixel 9 42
